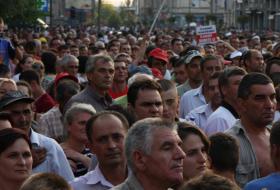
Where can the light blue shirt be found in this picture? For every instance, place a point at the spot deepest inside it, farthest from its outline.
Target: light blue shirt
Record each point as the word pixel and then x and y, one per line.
pixel 55 161
pixel 191 100
pixel 199 115
pixel 92 180
pixel 219 121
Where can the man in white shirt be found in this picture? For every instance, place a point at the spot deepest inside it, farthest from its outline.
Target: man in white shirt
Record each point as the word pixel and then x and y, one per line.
pixel 106 132
pixel 225 116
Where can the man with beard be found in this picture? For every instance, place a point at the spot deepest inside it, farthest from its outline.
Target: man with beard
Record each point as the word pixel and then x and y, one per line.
pixel 257 104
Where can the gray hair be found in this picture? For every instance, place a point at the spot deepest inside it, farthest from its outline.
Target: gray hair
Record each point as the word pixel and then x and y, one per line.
pixel 141 135
pixel 67 59
pixel 90 65
pixel 75 109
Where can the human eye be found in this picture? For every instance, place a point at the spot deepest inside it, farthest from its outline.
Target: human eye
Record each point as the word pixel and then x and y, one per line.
pixel 26 154
pixel 117 137
pixel 13 155
pixel 103 140
pixel 191 153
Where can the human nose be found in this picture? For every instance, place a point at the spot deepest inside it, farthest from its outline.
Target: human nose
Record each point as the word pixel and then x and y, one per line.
pixel 180 154
pixel 111 143
pixel 21 160
pixel 202 158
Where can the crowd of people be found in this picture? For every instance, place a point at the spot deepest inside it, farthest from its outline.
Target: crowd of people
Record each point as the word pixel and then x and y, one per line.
pixel 83 110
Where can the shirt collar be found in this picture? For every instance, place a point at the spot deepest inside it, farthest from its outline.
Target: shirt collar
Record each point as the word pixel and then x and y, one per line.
pixel 97 177
pixel 34 137
pixel 97 96
pixel 198 91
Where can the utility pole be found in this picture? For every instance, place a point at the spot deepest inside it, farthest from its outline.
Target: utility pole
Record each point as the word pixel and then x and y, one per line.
pixel 99 15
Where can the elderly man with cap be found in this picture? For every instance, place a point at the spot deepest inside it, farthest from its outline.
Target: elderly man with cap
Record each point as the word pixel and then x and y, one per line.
pixel 48 156
pixel 158 58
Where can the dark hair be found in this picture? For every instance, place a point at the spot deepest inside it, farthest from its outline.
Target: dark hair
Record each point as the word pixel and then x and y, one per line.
pixel 206 59
pixel 275 77
pixel 190 48
pixel 136 86
pixel 269 62
pixel 210 181
pixel 176 40
pixel 18 68
pixel 128 115
pixel 185 129
pixel 246 56
pixel 4 69
pixel 29 76
pixel 49 60
pixel 9 136
pixel 66 87
pixel 227 73
pixel 90 122
pixel 244 89
pixel 82 63
pixel 166 84
pixel 224 144
pixel 275 134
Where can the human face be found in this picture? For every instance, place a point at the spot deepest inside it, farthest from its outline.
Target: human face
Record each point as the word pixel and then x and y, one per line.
pixel 256 63
pixel 121 72
pixel 164 164
pixel 195 162
pixel 170 104
pixel 16 162
pixel 214 93
pixel 260 106
pixel 75 51
pixel 211 67
pixel 230 91
pixel 77 129
pixel 178 47
pixel 126 49
pixel 27 64
pixel 160 65
pixel 108 140
pixel 21 115
pixel 193 70
pixel 72 68
pixel 147 104
pixel 102 76
pixel 180 73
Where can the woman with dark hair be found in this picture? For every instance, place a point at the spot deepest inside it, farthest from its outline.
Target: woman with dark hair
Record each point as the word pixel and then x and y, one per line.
pixel 15 158
pixel 25 64
pixel 196 146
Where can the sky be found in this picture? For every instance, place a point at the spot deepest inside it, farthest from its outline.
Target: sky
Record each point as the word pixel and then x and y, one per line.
pixel 114 2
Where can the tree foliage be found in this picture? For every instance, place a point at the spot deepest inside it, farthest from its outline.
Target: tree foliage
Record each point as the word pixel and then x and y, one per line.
pixel 20 12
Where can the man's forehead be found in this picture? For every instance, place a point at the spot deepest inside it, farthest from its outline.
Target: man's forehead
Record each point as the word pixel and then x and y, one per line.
pixel 262 89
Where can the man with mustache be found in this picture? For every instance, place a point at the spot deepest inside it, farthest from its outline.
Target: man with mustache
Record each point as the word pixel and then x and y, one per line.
pixel 154 154
pixel 257 104
pixel 106 132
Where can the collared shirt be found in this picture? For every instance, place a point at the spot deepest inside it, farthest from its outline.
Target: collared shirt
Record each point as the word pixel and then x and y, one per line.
pixel 191 100
pixel 181 89
pixel 247 168
pixel 92 180
pixel 131 183
pixel 219 121
pixel 90 96
pixel 51 125
pixel 55 161
pixel 199 115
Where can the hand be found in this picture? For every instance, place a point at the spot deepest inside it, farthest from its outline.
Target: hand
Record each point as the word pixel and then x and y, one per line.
pixel 39 155
pixel 73 155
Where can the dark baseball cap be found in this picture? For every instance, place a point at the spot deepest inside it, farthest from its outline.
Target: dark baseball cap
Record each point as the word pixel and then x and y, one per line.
pixel 14 96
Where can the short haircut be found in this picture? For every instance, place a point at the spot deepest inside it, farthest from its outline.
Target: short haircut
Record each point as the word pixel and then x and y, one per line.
pixel 140 137
pixel 206 59
pixel 93 59
pixel 66 87
pixel 248 55
pixel 75 109
pixel 224 144
pixel 227 73
pixel 45 181
pixel 91 121
pixel 244 89
pixel 210 181
pixel 4 69
pixel 26 84
pixel 49 60
pixel 64 62
pixel 185 129
pixel 275 134
pixel 269 62
pixel 29 76
pixel 166 84
pixel 9 136
pixel 137 86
